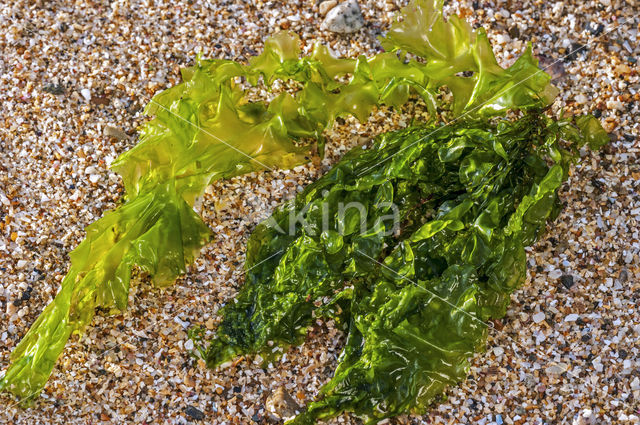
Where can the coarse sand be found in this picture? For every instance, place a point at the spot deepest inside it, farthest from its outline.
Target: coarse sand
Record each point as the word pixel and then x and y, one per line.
pixel 74 77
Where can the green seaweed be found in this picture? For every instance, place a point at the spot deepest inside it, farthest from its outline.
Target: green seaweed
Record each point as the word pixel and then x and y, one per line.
pixel 207 128
pixel 415 302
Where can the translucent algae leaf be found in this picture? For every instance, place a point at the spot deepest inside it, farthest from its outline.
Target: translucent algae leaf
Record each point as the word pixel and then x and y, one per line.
pixel 157 231
pixel 207 128
pixel 450 48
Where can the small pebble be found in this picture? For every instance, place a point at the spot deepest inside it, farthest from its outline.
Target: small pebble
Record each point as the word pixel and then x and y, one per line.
pixel 567 280
pixel 344 18
pixel 86 93
pixel 326 6
pixel 281 404
pixel 571 317
pixel 188 345
pixel 575 50
pixel 553 67
pixel 595 28
pixel 581 99
pixel 585 418
pixel 55 89
pixel 538 317
pixel 111 131
pixel 557 369
pixel 194 413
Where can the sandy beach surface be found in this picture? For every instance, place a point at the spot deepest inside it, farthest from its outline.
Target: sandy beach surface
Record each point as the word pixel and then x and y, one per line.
pixel 74 77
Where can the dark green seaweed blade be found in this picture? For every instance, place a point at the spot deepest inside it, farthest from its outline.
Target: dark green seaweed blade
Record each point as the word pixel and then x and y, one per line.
pixel 417 339
pixel 470 197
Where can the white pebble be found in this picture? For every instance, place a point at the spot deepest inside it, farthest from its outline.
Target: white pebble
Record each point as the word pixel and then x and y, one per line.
pixel 3 198
pixel 581 99
pixel 181 322
pixel 188 345
pixel 598 366
pixel 502 39
pixel 538 317
pixel 558 7
pixel 615 104
pixel 86 93
pixel 585 418
pixel 555 274
pixel 345 18
pixel 571 317
pixel 557 369
pixel 228 364
pixel 504 13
